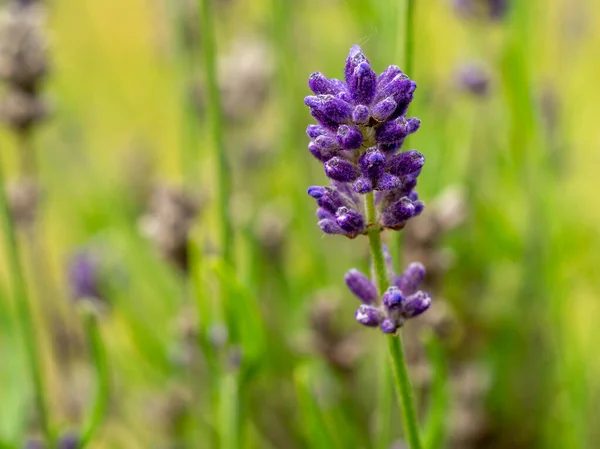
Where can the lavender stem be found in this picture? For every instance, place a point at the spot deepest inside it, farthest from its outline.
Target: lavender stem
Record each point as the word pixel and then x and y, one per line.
pixel 24 313
pixel 403 387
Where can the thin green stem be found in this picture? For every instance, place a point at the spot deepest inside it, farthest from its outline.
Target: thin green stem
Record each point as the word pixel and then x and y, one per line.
pixel 409 37
pixel 99 407
pixel 24 313
pixel 403 387
pixel 215 119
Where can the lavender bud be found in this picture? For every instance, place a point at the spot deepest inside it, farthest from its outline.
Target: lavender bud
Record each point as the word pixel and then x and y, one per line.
pixel 323 214
pixel 328 110
pixel 355 58
pixel 321 85
pixel 393 298
pixel 349 138
pixel 363 185
pixel 341 170
pixel 396 215
pixel 412 277
pixel 384 109
pixel 327 198
pixel 388 182
pixel 368 315
pixel 320 153
pixel 360 115
pixel 406 163
pixel 392 132
pixel 388 326
pixel 388 75
pixel 327 142
pixel 362 84
pixel 329 226
pixel 416 304
pixel 314 131
pixel 372 164
pixel 362 287
pixel 351 221
pixel 419 206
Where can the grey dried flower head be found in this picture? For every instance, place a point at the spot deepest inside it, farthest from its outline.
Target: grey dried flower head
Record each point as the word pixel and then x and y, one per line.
pixel 20 109
pixel 23 47
pixel 245 74
pixel 23 197
pixel 484 9
pixel 170 217
pixel 361 128
pixel 473 78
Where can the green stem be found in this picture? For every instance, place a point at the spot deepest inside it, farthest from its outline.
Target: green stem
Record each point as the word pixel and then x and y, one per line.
pixel 403 387
pixel 409 37
pixel 24 313
pixel 215 119
pixel 98 411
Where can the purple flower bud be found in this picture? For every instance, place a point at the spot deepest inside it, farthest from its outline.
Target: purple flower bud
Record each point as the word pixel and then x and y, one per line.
pixel 83 276
pixel 384 109
pixel 368 315
pixel 328 110
pixel 360 115
pixel 362 287
pixel 416 304
pixel 329 226
pixel 372 164
pixel 314 131
pixel 327 142
pixel 328 198
pixel 341 170
pixel 351 221
pixel 321 85
pixel 388 326
pixel 419 206
pixel 412 277
pixel 320 153
pixel 396 215
pixel 362 84
pixel 349 138
pixel 473 79
pixel 392 132
pixel 323 214
pixel 412 125
pixel 388 182
pixel 354 59
pixel 406 163
pixel 363 185
pixel 399 89
pixel 393 298
pixel 388 75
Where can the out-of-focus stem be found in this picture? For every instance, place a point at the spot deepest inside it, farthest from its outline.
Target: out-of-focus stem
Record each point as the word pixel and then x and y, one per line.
pixel 215 119
pixel 24 312
pixel 402 382
pixel 97 412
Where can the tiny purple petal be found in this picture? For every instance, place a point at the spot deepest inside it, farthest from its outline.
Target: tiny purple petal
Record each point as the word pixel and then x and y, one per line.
pixel 396 215
pixel 406 163
pixel 393 298
pixel 388 326
pixel 388 75
pixel 341 170
pixel 416 304
pixel 412 277
pixel 368 315
pixel 372 164
pixel 362 84
pixel 360 115
pixel 388 182
pixel 351 221
pixel 362 287
pixel 321 154
pixel 314 131
pixel 384 109
pixel 355 57
pixel 363 185
pixel 321 85
pixel 349 138
pixel 419 206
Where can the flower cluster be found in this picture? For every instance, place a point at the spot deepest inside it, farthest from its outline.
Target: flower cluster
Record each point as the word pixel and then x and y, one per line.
pixel 400 301
pixel 361 127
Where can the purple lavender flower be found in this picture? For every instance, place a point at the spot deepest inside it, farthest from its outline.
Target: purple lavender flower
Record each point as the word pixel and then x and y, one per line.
pixel 473 78
pixel 400 302
pixel 84 276
pixel 491 9
pixel 361 127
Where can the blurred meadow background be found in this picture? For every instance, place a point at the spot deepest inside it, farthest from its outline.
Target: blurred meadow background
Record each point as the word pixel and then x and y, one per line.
pixel 115 197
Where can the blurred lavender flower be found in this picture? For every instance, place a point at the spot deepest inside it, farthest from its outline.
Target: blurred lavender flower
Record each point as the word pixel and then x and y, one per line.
pixel 84 277
pixel 400 302
pixel 361 126
pixel 473 78
pixel 491 9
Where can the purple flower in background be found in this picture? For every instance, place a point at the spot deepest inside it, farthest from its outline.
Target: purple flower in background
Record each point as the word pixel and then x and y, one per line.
pixel 83 274
pixel 400 302
pixel 361 127
pixel 473 78
pixel 492 9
